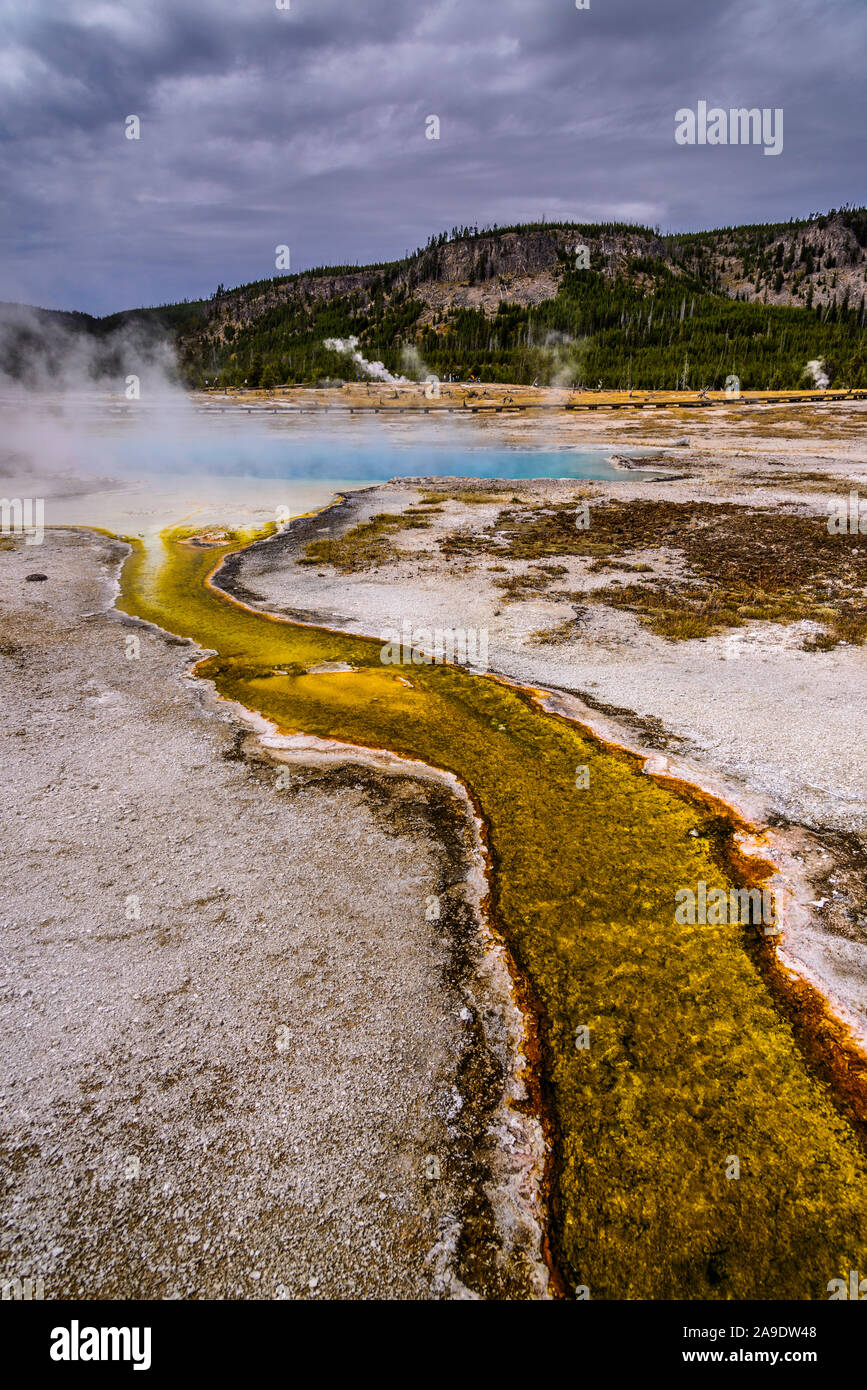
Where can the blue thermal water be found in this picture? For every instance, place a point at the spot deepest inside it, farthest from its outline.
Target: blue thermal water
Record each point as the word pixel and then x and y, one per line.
pixel 265 455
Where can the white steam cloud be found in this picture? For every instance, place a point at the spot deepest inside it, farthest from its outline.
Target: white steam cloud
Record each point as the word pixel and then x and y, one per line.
pixel 566 358
pixel 411 361
pixel 376 371
pixel 67 353
pixel 816 369
pixel 63 381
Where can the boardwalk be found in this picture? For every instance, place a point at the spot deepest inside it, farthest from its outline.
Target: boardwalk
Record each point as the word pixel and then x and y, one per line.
pixel 470 403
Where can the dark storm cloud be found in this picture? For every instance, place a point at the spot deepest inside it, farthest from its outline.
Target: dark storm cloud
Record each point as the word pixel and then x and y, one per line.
pixel 307 127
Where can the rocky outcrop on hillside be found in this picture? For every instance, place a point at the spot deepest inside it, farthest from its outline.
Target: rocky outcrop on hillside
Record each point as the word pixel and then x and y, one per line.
pixel 812 263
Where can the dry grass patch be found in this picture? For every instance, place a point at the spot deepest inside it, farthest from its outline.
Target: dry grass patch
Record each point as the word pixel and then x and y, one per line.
pixel 468 499
pixel 364 546
pixel 808 482
pixel 740 563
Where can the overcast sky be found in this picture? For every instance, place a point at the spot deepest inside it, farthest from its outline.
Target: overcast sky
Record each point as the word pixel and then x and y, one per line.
pixel 306 127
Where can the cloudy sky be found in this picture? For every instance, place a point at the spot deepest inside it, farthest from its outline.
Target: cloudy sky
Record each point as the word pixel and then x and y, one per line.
pixel 306 127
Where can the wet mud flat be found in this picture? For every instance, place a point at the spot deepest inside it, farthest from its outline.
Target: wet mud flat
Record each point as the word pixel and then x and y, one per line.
pixel 243 1056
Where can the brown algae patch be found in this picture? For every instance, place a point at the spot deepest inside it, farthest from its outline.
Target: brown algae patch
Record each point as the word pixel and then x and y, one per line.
pixel 739 563
pixel 368 543
pixel 691 1060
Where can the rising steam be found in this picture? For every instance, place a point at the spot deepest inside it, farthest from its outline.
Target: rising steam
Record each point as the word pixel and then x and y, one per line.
pixel 68 353
pixel 375 371
pixel 816 369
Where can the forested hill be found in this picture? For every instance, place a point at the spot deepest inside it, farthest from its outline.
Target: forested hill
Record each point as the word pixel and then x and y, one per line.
pixel 523 303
